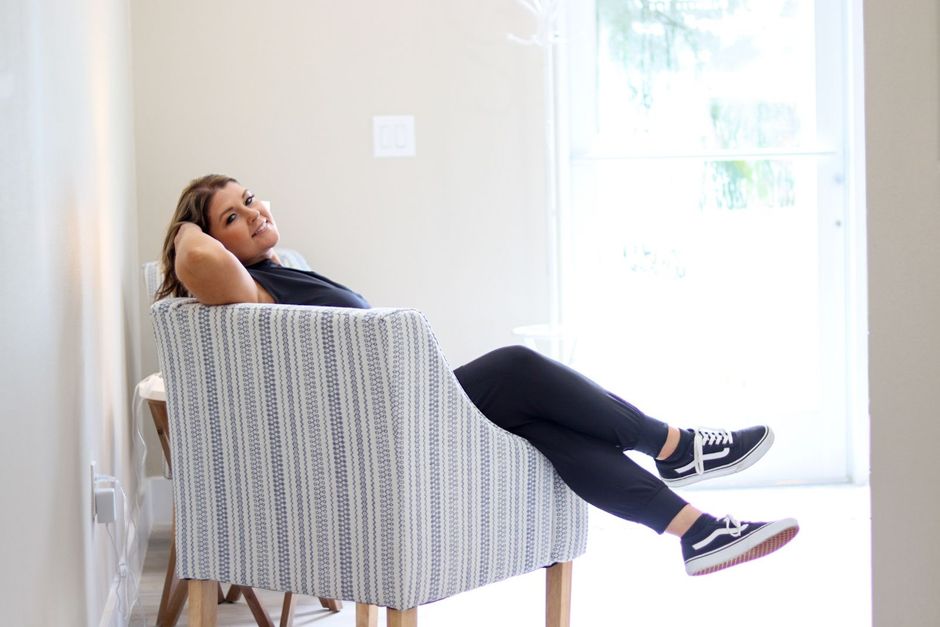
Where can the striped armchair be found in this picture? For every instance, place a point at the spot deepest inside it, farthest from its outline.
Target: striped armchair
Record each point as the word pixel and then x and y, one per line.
pixel 332 452
pixel 174 595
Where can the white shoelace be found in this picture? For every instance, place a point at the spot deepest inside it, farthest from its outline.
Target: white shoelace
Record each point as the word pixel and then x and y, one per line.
pixel 703 437
pixel 731 521
pixel 732 528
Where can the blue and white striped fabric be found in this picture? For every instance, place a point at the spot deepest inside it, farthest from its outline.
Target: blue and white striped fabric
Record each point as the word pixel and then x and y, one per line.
pixel 153 270
pixel 153 278
pixel 332 452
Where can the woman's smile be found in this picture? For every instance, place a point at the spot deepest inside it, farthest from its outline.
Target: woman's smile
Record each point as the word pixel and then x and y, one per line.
pixel 261 229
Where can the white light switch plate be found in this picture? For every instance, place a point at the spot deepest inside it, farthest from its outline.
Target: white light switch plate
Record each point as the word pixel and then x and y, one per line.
pixel 393 136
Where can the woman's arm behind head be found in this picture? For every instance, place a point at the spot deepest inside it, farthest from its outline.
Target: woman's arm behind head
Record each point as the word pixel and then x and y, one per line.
pixel 212 274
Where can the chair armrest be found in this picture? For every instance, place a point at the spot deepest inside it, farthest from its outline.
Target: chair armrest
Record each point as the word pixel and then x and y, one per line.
pixel 328 451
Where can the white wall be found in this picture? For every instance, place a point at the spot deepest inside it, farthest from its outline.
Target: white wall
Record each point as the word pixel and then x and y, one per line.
pixel 903 187
pixel 281 96
pixel 68 246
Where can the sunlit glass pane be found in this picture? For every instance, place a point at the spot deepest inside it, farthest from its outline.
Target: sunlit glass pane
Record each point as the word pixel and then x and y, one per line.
pixel 705 75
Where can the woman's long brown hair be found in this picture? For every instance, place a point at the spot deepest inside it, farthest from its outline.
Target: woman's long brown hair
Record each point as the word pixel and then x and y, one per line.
pixel 193 206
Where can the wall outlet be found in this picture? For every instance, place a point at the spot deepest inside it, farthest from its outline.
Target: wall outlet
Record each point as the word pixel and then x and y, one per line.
pixel 105 505
pixel 393 136
pixel 91 490
pixel 103 498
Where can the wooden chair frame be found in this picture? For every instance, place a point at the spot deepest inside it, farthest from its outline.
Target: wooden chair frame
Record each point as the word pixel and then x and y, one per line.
pixel 203 605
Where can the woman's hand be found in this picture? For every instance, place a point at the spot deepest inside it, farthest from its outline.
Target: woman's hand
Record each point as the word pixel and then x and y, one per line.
pixel 192 242
pixel 189 236
pixel 183 229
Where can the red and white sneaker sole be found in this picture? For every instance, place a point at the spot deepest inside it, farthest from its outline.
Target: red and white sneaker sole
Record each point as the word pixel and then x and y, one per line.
pixel 764 541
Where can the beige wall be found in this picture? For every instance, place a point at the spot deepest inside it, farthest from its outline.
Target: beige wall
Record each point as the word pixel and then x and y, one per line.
pixel 282 97
pixel 68 246
pixel 903 186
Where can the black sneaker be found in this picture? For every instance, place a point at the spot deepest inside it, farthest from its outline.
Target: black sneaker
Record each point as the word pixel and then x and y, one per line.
pixel 726 542
pixel 717 452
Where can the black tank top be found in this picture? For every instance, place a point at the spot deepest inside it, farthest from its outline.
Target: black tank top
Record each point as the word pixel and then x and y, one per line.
pixel 290 286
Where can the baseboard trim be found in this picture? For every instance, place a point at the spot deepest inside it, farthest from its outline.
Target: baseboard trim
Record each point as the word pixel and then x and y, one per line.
pixel 155 512
pixel 110 616
pixel 113 614
pixel 159 502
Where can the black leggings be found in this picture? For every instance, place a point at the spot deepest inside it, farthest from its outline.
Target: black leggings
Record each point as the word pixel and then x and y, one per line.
pixel 580 427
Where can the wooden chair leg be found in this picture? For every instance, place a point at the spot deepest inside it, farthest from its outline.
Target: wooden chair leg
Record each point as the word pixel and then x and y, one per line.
pixel 261 616
pixel 234 594
pixel 203 603
pixel 175 606
pixel 174 591
pixel 558 595
pixel 367 615
pixel 334 605
pixel 287 610
pixel 402 618
pixel 169 582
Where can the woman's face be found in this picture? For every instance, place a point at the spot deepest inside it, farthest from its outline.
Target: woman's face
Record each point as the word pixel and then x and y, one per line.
pixel 243 225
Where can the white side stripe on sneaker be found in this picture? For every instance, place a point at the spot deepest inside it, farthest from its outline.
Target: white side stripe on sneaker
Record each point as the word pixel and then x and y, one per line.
pixel 699 458
pixel 727 531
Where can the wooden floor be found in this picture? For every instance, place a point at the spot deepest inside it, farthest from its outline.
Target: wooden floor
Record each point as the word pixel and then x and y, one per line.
pixel 630 576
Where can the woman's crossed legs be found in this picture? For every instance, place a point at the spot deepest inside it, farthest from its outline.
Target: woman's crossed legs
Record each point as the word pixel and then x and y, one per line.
pixel 583 430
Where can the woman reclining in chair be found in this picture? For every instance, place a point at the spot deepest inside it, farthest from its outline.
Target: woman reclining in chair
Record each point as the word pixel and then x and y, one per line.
pixel 220 249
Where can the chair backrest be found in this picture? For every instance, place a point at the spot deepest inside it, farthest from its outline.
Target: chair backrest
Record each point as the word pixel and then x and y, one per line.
pixel 153 272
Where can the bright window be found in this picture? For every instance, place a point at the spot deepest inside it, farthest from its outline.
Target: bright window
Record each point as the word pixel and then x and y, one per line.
pixel 703 257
